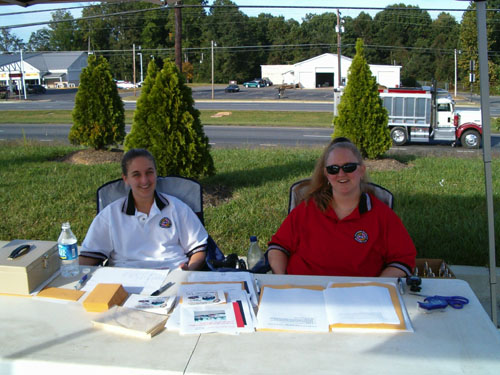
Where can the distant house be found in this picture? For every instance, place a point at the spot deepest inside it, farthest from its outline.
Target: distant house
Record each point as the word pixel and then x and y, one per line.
pixel 52 69
pixel 322 71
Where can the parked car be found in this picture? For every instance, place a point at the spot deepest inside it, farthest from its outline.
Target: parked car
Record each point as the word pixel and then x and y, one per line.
pixel 232 88
pixel 35 89
pixel 124 85
pixel 267 81
pixel 254 83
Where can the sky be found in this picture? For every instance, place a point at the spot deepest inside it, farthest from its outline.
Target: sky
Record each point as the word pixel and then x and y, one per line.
pixel 297 14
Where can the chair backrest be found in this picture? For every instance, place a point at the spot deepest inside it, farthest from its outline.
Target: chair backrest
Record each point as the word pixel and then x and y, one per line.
pixel 297 191
pixel 187 190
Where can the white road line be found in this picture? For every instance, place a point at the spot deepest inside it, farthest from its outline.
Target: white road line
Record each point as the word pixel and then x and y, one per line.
pixel 268 144
pixel 46 140
pixel 317 136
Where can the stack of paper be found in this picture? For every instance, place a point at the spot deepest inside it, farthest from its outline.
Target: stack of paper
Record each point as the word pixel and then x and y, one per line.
pixel 224 277
pixel 340 306
pixel 130 322
pixel 208 307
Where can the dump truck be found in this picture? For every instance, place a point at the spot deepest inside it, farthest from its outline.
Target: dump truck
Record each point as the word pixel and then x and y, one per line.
pixel 417 115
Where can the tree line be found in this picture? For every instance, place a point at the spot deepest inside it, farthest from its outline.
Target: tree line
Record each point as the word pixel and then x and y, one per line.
pixel 400 34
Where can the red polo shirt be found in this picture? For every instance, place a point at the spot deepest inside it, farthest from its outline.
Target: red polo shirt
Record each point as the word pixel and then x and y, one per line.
pixel 371 238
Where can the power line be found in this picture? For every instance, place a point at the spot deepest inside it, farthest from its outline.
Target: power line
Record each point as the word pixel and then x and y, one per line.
pixel 188 6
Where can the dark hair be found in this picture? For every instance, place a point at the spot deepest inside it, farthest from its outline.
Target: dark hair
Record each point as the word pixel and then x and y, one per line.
pixel 135 153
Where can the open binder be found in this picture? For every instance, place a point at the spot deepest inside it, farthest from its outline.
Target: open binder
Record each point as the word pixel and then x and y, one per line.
pixel 352 306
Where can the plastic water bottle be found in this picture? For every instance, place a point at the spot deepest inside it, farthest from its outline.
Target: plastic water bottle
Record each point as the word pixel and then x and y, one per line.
pixel 68 251
pixel 254 253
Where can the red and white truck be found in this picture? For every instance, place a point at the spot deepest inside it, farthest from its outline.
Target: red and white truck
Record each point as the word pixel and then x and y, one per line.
pixel 423 116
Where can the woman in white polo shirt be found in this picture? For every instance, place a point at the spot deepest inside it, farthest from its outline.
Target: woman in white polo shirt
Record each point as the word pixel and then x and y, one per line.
pixel 146 229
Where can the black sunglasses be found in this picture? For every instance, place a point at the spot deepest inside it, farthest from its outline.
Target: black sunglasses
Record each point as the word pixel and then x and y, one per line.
pixel 347 168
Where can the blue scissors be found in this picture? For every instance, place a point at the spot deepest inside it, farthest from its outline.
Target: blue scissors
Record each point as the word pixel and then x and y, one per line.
pixel 441 302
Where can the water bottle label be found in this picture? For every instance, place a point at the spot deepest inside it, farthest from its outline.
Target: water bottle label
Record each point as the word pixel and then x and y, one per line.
pixel 68 252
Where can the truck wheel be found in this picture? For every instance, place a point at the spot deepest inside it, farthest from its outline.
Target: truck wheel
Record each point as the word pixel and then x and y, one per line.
pixel 470 139
pixel 398 136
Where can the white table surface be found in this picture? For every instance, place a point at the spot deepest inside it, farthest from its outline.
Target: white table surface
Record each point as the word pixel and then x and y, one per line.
pixel 42 336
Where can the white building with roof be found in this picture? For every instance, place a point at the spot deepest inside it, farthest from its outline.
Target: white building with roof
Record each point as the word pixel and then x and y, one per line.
pixel 322 71
pixel 52 69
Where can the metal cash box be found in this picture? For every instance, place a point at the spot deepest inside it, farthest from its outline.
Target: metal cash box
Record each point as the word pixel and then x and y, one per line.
pixel 23 274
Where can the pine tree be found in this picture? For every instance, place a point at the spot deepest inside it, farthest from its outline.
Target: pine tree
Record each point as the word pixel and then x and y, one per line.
pixel 167 124
pixel 99 115
pixel 361 115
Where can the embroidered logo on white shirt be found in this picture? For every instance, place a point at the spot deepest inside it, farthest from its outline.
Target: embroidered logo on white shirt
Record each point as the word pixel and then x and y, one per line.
pixel 165 222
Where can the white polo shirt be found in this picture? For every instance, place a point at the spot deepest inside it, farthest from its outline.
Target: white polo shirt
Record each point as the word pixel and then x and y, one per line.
pixel 128 238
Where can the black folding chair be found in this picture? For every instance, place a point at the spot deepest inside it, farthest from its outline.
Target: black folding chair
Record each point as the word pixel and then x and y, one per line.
pixel 187 190
pixel 297 194
pixel 298 189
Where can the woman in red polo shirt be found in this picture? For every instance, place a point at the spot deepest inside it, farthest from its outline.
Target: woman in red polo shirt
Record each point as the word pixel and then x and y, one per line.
pixel 340 229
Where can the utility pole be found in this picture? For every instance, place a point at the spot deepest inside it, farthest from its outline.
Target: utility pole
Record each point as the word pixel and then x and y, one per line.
pixel 140 60
pixel 339 29
pixel 133 63
pixel 22 75
pixel 212 48
pixel 178 35
pixel 456 73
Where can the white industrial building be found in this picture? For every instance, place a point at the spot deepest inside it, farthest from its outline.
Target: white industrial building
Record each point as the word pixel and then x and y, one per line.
pixel 322 71
pixel 52 69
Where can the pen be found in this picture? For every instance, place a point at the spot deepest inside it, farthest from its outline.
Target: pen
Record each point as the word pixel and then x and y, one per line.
pixel 80 282
pixel 162 289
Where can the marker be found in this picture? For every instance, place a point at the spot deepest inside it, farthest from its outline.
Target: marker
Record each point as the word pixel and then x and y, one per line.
pixel 80 282
pixel 162 289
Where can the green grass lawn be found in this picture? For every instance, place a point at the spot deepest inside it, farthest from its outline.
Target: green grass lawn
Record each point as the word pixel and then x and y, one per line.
pixel 440 199
pixel 254 118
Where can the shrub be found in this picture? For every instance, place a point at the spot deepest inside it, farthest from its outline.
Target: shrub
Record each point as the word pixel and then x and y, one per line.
pixel 167 124
pixel 99 115
pixel 361 116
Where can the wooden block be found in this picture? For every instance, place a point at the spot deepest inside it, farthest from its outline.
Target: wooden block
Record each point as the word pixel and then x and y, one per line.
pixel 105 296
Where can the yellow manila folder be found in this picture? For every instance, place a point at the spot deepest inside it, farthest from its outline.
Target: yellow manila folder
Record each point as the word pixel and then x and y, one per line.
pixel 292 309
pixel 60 293
pixel 371 306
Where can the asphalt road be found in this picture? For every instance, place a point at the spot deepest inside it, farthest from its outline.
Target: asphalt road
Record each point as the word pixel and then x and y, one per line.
pixel 257 99
pixel 219 136
pixel 253 99
pixel 245 136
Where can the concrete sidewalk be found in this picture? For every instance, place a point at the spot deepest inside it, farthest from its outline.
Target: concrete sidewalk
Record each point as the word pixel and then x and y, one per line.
pixel 479 281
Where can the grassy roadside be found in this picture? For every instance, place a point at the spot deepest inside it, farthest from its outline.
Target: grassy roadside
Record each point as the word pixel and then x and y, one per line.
pixel 235 118
pixel 439 199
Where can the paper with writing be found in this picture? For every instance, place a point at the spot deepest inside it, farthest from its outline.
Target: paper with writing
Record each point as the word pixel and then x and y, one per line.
pixel 134 280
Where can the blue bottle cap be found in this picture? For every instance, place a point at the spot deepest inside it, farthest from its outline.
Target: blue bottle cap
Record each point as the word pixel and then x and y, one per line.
pixel 253 238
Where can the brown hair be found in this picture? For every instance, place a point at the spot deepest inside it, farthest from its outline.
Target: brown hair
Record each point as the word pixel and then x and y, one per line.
pixel 135 153
pixel 318 187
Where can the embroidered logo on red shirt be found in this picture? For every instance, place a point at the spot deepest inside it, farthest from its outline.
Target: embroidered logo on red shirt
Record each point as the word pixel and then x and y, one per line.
pixel 361 236
pixel 165 222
